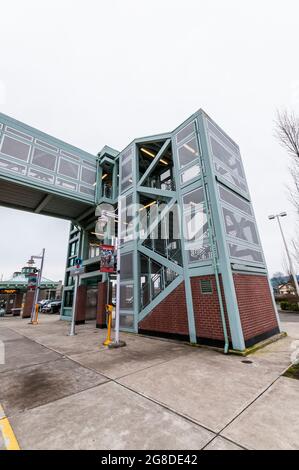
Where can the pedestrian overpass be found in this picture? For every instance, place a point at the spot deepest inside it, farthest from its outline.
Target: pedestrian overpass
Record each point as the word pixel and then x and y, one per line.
pixel 212 288
pixel 44 175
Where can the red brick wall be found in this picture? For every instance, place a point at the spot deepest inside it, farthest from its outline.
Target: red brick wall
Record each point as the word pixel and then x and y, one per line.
pixel 254 300
pixel 102 300
pixel 81 304
pixel 255 304
pixel 28 304
pixel 207 310
pixel 170 316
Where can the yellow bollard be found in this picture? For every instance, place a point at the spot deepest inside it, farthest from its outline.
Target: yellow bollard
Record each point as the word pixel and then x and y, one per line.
pixel 108 340
pixel 35 321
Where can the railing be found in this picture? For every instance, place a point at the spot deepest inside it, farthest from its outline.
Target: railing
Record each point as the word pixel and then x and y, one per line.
pixel 156 284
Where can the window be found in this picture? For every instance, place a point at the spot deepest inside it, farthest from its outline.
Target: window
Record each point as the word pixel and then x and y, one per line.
pixel 15 148
pixel 196 226
pixel 126 169
pixel 188 152
pixel 185 132
pixel 73 248
pixel 126 266
pixel 88 176
pixel 68 168
pixel 238 226
pixel 68 298
pixel 126 219
pixel 43 159
pixel 190 173
pixel 126 296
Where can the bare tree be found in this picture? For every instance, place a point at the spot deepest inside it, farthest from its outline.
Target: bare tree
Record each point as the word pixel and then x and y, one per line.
pixel 287 133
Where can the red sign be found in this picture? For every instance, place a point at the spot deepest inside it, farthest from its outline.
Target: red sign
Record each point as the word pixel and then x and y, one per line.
pixel 107 258
pixel 32 281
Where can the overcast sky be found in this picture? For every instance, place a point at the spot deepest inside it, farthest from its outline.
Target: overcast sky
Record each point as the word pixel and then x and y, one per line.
pixel 104 72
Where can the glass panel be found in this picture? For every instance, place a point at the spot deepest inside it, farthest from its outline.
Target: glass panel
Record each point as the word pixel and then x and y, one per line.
pixel 190 173
pixel 126 321
pixel 231 177
pixel 70 155
pixel 126 296
pixel 245 253
pixel 188 152
pixel 68 168
pixel 18 133
pixel 85 190
pixel 199 252
pixel 126 165
pixel 46 145
pixel 11 166
pixel 194 197
pixel 41 176
pixel 15 148
pixel 223 137
pixel 68 298
pixel 226 157
pixel 126 266
pixel 238 226
pixel 88 176
pixel 196 226
pixel 43 159
pixel 234 200
pixel 126 219
pixel 185 132
pixel 66 184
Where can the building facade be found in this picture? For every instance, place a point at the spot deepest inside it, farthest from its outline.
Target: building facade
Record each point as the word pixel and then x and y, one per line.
pixel 15 294
pixel 199 277
pixel 208 287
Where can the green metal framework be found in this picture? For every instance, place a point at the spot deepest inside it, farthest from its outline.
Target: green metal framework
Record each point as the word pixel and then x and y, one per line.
pixel 196 163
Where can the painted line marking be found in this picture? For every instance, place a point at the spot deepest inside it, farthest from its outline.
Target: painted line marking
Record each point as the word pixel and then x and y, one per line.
pixel 9 437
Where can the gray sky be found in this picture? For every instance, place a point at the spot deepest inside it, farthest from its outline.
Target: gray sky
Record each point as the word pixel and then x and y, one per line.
pixel 103 72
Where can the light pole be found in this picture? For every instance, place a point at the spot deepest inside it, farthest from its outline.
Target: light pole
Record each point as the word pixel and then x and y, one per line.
pixel 105 215
pixel 277 216
pixel 39 279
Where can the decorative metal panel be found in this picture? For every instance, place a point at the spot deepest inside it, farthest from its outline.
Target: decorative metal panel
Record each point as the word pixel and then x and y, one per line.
pixel 196 226
pixel 227 159
pixel 39 158
pixel 187 154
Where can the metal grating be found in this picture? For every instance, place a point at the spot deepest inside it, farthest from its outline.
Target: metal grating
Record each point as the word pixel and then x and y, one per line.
pixel 206 286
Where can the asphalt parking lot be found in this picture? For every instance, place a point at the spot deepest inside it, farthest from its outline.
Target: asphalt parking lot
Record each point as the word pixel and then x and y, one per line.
pixel 62 392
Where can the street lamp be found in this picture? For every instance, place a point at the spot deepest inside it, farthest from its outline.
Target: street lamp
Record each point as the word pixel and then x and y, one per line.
pixel 39 279
pixel 277 216
pixel 104 218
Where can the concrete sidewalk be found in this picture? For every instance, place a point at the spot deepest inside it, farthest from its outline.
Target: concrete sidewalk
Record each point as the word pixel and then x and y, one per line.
pixel 62 392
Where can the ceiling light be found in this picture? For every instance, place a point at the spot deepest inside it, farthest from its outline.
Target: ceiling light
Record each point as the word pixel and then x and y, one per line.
pixel 147 205
pixel 190 149
pixel 151 154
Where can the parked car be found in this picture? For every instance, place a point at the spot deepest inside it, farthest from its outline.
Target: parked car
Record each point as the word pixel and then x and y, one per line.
pixel 53 306
pixel 43 303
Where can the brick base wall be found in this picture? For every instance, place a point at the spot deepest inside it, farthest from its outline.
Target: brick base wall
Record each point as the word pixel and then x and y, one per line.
pixel 207 311
pixel 257 314
pixel 256 309
pixel 26 313
pixel 80 305
pixel 102 300
pixel 169 318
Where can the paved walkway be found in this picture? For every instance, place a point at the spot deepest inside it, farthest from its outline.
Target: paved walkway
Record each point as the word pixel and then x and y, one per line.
pixel 61 392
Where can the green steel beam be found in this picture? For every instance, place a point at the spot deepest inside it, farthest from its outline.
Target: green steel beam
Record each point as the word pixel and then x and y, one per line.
pixel 173 285
pixel 155 162
pixel 160 259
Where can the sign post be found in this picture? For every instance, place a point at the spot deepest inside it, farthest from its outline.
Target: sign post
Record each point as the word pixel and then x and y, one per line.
pixel 75 272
